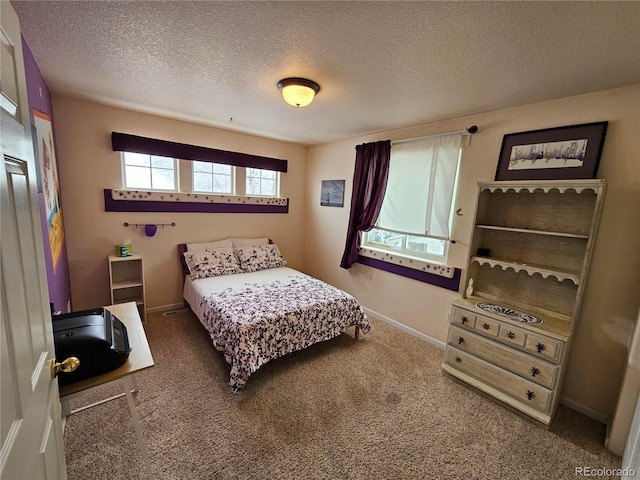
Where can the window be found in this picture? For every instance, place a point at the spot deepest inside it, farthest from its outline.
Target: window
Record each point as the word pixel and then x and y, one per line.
pixel 261 182
pixel 152 172
pixel 212 177
pixel 410 244
pixel 417 208
pixel 149 172
pixel 204 169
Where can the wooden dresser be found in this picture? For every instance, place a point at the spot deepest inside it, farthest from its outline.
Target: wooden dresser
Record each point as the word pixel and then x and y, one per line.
pixel 511 332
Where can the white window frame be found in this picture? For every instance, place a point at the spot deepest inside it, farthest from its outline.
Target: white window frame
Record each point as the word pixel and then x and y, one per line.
pixel 402 249
pixel 232 178
pixel 276 185
pixel 176 174
pixel 184 181
pixel 368 240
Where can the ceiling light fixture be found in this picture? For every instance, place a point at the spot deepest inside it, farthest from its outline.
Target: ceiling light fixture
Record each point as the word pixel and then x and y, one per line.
pixel 298 92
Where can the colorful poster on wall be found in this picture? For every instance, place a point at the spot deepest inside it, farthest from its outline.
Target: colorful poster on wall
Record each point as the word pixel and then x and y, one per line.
pixel 49 183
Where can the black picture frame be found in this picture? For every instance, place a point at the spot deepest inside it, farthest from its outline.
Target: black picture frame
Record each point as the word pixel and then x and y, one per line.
pixel 576 151
pixel 332 193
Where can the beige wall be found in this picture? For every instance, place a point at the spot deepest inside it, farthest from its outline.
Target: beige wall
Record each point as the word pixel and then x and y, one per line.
pixel 611 298
pixel 88 165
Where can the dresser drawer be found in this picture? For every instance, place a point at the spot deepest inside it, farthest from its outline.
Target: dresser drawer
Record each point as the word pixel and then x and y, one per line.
pixel 544 346
pixel 524 391
pixel 512 335
pixel 462 317
pixel 487 326
pixel 522 364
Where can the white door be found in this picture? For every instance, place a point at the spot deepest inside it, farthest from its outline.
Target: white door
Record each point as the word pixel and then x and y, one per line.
pixel 31 427
pixel 631 457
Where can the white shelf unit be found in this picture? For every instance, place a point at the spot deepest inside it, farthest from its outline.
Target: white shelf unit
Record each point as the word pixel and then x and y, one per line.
pixel 126 281
pixel 530 252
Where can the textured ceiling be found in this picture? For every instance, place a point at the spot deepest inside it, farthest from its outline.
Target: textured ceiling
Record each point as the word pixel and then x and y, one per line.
pixel 380 65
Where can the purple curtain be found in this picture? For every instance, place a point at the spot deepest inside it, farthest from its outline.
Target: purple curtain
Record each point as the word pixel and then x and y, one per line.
pixel 369 184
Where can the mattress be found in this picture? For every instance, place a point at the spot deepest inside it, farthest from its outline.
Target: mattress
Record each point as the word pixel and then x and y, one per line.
pixel 259 316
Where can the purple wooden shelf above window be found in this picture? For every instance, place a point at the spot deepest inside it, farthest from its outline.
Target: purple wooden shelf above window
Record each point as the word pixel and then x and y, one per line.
pixel 144 201
pixel 438 280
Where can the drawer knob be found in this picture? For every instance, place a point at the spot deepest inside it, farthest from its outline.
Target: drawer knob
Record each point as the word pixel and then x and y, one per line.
pixel 540 347
pixel 458 360
pixel 530 394
pixel 486 326
pixel 464 320
pixel 511 335
pixel 460 340
pixel 534 371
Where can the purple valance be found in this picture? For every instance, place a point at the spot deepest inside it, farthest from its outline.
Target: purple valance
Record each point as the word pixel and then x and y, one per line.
pixel 123 142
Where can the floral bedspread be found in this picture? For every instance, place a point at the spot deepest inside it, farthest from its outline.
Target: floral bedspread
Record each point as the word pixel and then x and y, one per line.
pixel 259 322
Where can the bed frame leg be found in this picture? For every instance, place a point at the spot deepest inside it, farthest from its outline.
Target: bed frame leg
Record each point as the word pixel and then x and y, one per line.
pixel 357 332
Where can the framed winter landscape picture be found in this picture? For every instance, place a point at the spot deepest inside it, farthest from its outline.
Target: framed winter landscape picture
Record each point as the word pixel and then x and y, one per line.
pixel 332 193
pixel 561 153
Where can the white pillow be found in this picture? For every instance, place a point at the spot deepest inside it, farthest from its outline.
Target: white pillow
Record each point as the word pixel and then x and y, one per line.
pixel 203 246
pixel 212 263
pixel 260 257
pixel 249 242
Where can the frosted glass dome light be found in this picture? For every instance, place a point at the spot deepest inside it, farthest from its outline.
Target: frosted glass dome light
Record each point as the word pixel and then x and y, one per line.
pixel 298 92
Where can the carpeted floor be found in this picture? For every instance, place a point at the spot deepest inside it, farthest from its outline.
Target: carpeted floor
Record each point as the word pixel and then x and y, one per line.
pixel 378 408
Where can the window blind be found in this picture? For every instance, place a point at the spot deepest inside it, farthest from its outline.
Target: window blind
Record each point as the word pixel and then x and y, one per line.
pixel 421 184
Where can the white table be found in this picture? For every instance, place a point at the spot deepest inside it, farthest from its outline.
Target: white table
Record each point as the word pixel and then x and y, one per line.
pixel 139 359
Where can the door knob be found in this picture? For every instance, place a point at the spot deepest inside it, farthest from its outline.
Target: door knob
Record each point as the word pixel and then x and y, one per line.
pixel 67 366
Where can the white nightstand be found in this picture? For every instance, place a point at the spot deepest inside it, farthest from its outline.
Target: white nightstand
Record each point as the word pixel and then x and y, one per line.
pixel 126 281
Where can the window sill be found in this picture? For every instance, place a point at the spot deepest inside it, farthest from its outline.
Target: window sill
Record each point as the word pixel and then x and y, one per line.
pixel 154 201
pixel 428 272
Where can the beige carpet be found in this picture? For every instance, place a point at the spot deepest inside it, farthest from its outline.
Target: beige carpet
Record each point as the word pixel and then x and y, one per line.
pixel 378 408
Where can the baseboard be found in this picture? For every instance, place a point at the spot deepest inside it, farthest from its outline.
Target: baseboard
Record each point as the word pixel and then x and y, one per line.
pixel 589 412
pixel 165 308
pixel 403 327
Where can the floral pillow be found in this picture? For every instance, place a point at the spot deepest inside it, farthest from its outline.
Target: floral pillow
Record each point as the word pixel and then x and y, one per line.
pixel 212 262
pixel 260 257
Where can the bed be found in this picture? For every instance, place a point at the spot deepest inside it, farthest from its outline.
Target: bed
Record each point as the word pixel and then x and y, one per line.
pixel 257 309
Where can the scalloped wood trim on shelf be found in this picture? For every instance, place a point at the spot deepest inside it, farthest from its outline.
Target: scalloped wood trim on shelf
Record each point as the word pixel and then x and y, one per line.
pixel 560 186
pixel 529 269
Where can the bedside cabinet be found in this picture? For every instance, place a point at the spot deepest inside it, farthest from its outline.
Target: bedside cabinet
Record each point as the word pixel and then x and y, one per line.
pixel 126 281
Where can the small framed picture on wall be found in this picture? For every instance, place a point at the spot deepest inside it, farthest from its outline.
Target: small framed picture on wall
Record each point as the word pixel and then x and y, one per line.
pixel 332 193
